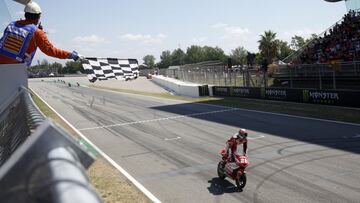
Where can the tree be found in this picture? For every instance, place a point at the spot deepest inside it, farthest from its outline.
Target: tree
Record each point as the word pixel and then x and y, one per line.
pixel 73 67
pixel 284 50
pixel 313 36
pixel 238 56
pixel 149 60
pixel 178 57
pixel 42 68
pixel 259 58
pixel 297 42
pixel 165 59
pixel 194 54
pixel 213 54
pixel 45 64
pixel 56 67
pixel 268 45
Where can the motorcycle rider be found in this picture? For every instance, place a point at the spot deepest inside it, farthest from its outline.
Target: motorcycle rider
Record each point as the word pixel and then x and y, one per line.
pixel 234 141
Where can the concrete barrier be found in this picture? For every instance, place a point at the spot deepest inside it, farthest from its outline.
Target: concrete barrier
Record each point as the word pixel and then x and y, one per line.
pixel 180 87
pixel 211 90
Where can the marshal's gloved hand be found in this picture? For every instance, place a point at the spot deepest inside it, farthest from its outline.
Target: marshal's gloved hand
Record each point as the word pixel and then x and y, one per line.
pixel 75 56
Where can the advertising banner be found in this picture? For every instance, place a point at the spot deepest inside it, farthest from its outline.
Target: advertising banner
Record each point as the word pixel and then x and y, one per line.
pixel 332 97
pixel 326 97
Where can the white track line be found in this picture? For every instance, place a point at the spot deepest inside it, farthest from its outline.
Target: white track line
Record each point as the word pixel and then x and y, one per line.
pixel 255 138
pixel 175 138
pixel 112 162
pixel 159 119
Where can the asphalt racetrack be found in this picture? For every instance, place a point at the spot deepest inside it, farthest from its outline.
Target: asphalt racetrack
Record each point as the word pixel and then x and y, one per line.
pixel 172 147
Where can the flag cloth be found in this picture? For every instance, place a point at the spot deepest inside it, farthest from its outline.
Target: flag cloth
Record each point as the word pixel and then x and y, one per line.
pixel 105 68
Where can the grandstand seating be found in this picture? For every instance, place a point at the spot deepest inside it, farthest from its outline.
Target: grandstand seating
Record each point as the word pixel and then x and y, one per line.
pixel 331 61
pixel 340 43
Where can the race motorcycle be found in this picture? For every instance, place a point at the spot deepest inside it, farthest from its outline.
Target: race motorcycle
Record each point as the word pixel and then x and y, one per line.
pixel 234 170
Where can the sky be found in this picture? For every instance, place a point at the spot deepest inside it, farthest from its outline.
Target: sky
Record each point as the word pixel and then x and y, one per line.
pixel 135 28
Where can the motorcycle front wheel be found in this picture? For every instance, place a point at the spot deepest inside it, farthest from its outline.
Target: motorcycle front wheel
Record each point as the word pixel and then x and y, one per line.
pixel 220 171
pixel 241 182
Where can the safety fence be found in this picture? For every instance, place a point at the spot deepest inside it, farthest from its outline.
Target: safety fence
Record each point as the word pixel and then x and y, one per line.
pixel 38 161
pixel 243 78
pixel 314 96
pixel 333 76
pixel 18 117
pixel 337 75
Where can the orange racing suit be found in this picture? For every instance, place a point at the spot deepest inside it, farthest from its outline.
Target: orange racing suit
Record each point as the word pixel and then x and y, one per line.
pixel 39 39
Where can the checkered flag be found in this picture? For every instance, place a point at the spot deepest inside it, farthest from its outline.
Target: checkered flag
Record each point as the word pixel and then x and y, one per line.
pixel 105 68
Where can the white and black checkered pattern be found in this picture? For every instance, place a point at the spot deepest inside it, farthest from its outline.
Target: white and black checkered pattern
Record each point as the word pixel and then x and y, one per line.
pixel 105 68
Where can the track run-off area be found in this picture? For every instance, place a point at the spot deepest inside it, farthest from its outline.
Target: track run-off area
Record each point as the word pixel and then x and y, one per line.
pixel 172 147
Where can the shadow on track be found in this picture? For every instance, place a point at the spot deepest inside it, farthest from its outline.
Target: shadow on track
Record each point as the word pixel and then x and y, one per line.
pixel 219 187
pixel 329 134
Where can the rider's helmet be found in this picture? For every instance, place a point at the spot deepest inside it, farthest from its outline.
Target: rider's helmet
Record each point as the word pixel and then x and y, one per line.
pixel 242 134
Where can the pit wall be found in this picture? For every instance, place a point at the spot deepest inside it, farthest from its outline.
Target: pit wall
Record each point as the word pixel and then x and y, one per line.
pixel 181 88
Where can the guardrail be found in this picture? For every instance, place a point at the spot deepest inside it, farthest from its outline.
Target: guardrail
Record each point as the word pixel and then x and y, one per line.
pixel 244 78
pixel 18 117
pixel 39 162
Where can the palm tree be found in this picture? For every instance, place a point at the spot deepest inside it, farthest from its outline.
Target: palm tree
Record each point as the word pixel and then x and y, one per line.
pixel 268 45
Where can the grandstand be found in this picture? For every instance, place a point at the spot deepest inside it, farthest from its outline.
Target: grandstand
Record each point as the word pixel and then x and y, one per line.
pixel 330 61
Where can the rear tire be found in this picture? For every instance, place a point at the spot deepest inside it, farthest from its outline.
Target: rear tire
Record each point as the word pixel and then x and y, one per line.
pixel 241 182
pixel 220 171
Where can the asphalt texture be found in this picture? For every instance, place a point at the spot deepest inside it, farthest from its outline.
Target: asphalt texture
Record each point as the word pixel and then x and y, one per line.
pixel 172 147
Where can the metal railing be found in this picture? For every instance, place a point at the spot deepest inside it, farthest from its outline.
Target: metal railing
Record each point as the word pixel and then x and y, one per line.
pixel 339 75
pixel 47 167
pixel 241 78
pixel 18 117
pixel 38 161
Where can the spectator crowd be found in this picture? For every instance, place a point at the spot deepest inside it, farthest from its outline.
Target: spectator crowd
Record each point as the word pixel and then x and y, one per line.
pixel 340 43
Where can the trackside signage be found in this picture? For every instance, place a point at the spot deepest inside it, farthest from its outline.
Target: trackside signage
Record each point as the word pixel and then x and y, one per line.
pixel 246 92
pixel 327 97
pixel 320 95
pixel 221 91
pixel 274 94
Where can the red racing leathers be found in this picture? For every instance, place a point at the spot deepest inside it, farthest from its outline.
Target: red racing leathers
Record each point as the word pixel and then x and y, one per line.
pixel 231 144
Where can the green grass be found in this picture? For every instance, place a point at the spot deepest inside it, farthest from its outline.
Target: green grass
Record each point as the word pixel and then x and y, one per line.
pixel 43 107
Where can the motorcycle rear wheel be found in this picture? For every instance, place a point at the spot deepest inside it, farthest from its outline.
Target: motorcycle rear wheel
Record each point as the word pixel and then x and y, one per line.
pixel 241 182
pixel 220 171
